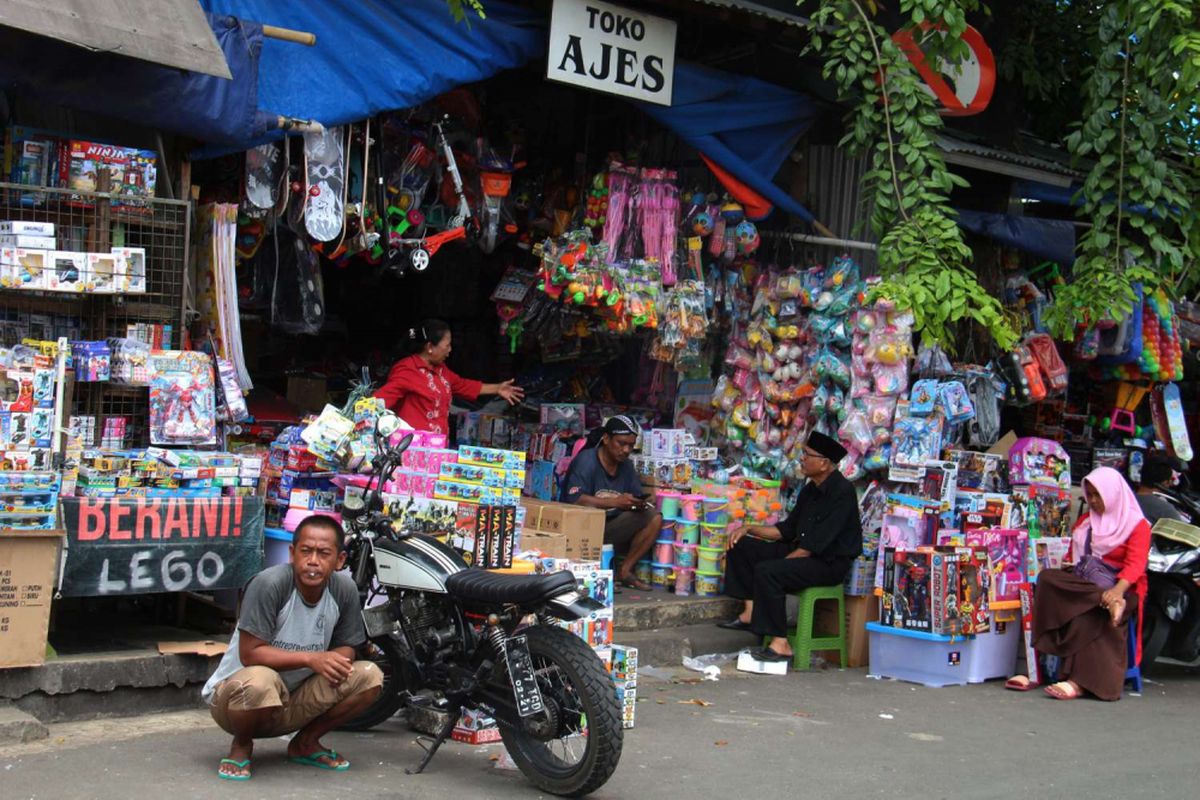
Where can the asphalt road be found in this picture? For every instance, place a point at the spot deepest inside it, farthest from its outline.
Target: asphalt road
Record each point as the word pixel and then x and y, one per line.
pixel 825 734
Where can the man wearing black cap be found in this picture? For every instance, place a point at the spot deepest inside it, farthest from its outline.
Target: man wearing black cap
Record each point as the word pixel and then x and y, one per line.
pixel 814 546
pixel 601 476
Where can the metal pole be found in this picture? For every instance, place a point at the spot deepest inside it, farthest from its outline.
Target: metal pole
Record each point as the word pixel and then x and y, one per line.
pixel 849 244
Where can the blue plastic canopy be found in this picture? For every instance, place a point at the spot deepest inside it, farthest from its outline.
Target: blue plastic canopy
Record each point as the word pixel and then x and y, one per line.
pixel 745 125
pixel 1051 239
pixel 178 101
pixel 375 55
pixel 380 55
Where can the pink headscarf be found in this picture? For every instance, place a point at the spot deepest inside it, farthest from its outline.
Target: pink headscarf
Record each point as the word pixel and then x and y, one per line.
pixel 1121 514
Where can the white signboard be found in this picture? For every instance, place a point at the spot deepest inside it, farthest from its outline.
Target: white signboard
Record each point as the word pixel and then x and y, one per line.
pixel 612 49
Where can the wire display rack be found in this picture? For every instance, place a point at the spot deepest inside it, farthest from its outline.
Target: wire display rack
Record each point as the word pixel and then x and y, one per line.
pixel 95 222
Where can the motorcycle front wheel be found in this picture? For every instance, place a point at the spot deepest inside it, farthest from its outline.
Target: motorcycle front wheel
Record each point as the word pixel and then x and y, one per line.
pixel 386 655
pixel 578 745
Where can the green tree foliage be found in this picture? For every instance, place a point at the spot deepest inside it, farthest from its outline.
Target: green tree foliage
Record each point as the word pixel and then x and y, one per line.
pixel 925 263
pixel 1138 134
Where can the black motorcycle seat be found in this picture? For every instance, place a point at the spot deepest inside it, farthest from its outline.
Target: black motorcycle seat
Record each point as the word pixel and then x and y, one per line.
pixel 495 587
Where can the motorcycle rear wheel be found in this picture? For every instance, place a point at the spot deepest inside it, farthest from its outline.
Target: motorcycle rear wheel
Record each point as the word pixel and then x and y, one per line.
pixel 386 655
pixel 575 681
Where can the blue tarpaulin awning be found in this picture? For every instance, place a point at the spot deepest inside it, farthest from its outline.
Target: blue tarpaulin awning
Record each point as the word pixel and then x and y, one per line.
pixel 1051 239
pixel 745 125
pixel 193 104
pixel 374 56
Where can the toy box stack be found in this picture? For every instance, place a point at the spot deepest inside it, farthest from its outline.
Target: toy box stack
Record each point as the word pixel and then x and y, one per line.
pixel 955 548
pixel 30 260
pixel 624 672
pixel 29 500
pixel 27 412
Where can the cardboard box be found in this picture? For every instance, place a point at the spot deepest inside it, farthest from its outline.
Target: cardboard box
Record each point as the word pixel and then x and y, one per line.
pixel 67 271
pixel 306 392
pixel 28 562
pixel 859 611
pixel 23 269
pixel 28 241
pixel 551 545
pixel 582 527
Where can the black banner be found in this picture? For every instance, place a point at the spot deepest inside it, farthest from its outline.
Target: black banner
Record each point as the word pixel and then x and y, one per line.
pixel 140 545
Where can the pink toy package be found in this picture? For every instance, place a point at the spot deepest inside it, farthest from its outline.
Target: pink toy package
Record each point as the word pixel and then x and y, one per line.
pixel 1007 562
pixel 1033 460
pixel 415 459
pixel 401 483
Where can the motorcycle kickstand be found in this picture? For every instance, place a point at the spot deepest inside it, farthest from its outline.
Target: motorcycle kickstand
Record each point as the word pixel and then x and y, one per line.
pixel 436 742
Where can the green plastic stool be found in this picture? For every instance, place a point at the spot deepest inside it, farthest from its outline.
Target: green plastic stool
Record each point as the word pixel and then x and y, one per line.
pixel 803 643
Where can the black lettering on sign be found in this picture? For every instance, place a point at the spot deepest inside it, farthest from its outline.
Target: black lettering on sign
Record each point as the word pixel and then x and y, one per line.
pixel 140 545
pixel 653 79
pixel 626 64
pixel 574 53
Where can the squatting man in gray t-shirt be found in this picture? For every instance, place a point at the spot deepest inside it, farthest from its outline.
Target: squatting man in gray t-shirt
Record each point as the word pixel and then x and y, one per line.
pixel 290 665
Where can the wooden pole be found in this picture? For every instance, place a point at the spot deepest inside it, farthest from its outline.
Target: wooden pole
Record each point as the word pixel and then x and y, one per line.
pixel 289 35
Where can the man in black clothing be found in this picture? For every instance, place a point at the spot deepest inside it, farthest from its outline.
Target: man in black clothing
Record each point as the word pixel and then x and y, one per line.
pixel 814 546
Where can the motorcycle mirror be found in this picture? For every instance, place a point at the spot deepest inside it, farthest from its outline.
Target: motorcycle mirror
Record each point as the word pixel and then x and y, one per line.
pixel 387 424
pixel 403 444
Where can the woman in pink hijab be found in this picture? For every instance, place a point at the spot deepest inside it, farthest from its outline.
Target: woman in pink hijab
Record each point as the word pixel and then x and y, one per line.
pixel 1081 621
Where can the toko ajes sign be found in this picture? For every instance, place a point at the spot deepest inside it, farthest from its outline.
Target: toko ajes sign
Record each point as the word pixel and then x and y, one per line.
pixel 612 49
pixel 139 545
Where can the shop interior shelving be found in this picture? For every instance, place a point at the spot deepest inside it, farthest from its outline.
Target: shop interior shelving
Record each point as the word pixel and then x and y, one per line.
pixel 94 222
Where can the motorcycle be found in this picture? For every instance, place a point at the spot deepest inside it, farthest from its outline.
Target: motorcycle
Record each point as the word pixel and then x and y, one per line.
pixel 1171 619
pixel 451 638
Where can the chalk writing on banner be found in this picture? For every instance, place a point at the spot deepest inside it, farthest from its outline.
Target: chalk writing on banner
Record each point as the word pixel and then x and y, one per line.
pixel 141 545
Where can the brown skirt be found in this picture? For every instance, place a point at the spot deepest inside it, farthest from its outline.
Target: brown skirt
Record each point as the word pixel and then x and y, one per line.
pixel 1069 622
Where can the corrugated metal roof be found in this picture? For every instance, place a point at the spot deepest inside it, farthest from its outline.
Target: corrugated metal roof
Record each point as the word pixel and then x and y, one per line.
pixel 174 33
pixel 991 159
pixel 778 10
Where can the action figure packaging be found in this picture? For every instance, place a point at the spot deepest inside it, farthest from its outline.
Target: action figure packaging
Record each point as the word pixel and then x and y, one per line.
pixel 1043 510
pixel 944 594
pixel 911 600
pixel 182 399
pixel 973 589
pixel 985 472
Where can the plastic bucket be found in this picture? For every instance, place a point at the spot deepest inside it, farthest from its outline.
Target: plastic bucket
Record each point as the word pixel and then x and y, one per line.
pixel 641 571
pixel 667 531
pixel 664 551
pixel 716 511
pixel 716 536
pixel 668 504
pixel 687 533
pixel 708 584
pixel 708 559
pixel 660 575
pixel 690 507
pixel 685 556
pixel 683 581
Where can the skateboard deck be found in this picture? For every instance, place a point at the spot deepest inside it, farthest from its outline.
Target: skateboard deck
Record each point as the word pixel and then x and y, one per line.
pixel 264 169
pixel 1173 409
pixel 325 168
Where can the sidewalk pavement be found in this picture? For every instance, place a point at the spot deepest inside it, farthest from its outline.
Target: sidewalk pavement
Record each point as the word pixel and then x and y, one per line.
pixel 823 734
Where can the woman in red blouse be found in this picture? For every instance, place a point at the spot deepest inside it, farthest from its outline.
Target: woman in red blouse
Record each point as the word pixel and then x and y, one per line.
pixel 419 388
pixel 1086 625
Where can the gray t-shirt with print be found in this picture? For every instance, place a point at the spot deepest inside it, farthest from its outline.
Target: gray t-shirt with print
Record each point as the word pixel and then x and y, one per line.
pixel 274 611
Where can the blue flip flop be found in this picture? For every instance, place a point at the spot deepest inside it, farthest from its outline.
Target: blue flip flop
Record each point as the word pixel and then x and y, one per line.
pixel 239 764
pixel 314 760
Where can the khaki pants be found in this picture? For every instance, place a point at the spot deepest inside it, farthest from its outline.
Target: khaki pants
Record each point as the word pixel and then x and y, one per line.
pixel 252 688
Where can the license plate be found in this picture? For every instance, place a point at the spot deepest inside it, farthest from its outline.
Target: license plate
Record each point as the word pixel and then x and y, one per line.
pixel 524 681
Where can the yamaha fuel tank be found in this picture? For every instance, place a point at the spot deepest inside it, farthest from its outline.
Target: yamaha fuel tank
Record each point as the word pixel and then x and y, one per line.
pixel 417 562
